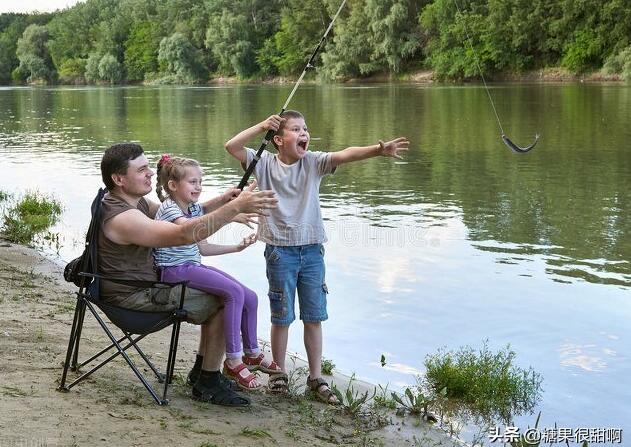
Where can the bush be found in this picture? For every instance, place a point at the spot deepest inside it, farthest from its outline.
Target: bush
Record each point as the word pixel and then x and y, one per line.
pixel 485 381
pixel 72 70
pixel 619 64
pixel 92 68
pixel 110 69
pixel 31 215
pixel 584 52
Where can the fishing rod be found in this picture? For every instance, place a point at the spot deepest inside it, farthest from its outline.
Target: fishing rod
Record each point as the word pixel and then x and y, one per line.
pixel 270 133
pixel 507 141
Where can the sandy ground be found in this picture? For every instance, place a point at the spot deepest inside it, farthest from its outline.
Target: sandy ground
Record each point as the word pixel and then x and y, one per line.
pixel 112 407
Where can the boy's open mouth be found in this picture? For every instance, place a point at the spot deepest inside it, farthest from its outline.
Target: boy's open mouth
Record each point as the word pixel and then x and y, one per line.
pixel 302 145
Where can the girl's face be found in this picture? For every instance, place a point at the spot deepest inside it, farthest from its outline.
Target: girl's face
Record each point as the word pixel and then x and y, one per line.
pixel 187 189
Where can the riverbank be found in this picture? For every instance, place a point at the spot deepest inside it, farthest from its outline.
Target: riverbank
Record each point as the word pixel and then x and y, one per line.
pixel 548 74
pixel 543 75
pixel 112 408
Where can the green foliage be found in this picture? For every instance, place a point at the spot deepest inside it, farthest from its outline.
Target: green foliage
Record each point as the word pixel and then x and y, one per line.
pixel 383 399
pixel 237 31
pixel 141 51
pixel 32 52
pixel 256 433
pixel 251 38
pixel 620 64
pixel 72 70
pixel 4 196
pixel 32 214
pixel 92 68
pixel 177 56
pixel 110 69
pixel 327 366
pixel 583 52
pixel 352 401
pixel 487 381
pixel 416 402
pixel 302 24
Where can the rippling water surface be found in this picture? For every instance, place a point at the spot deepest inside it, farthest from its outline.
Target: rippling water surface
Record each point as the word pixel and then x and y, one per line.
pixel 460 242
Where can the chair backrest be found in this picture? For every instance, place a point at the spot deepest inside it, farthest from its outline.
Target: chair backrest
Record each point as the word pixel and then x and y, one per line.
pixel 90 253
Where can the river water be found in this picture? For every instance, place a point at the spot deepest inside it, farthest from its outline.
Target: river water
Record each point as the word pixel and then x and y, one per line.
pixel 461 242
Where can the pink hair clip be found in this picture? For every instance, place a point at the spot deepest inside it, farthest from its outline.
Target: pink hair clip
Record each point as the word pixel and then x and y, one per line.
pixel 164 159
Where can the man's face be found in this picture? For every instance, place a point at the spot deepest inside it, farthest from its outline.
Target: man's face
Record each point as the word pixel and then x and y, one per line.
pixel 137 180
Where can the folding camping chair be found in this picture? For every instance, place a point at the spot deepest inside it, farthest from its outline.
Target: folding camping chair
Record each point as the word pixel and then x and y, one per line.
pixel 134 324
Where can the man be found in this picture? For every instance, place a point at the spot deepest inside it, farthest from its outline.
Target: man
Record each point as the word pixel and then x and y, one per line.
pixel 128 234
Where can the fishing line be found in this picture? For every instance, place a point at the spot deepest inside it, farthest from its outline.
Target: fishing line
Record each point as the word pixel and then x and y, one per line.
pixel 512 146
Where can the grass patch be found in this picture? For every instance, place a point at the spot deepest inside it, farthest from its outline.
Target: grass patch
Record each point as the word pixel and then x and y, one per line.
pixel 255 433
pixel 14 392
pixel 31 215
pixel 327 366
pixel 485 381
pixel 4 196
pixel 383 399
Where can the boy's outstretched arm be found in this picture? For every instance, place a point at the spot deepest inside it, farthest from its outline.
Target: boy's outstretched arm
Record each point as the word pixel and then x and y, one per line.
pixel 236 145
pixel 392 148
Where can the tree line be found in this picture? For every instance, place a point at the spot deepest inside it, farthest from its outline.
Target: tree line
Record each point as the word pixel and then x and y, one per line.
pixel 192 41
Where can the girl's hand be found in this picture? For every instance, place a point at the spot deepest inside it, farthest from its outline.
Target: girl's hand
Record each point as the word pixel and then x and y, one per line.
pixel 246 219
pixel 246 242
pixel 271 123
pixel 394 147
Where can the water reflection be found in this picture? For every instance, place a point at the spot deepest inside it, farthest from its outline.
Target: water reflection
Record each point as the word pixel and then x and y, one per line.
pixel 566 200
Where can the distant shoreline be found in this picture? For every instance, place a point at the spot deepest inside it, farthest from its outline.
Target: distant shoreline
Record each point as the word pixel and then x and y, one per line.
pixel 542 75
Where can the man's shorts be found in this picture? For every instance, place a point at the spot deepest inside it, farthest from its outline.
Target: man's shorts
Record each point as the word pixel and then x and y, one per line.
pixel 297 268
pixel 200 306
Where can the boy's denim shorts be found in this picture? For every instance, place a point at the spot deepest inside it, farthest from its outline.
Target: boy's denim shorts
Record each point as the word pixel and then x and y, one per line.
pixel 298 268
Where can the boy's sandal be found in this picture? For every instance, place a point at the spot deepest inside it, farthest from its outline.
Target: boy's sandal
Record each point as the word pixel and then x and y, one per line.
pixel 259 363
pixel 322 391
pixel 278 383
pixel 244 382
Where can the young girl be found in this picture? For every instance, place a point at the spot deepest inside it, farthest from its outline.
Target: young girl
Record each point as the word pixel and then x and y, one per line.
pixel 181 179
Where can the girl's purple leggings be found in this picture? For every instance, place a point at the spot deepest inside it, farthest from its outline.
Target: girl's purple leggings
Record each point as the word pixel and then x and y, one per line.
pixel 240 303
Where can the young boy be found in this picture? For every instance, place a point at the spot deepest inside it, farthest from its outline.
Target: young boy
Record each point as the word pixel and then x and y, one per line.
pixel 294 232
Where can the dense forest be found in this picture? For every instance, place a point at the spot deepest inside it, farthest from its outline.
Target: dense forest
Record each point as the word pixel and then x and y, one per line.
pixel 193 41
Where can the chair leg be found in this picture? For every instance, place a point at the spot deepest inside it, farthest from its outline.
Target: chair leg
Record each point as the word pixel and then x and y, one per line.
pixel 153 368
pixel 79 307
pixel 175 334
pixel 125 356
pixel 75 354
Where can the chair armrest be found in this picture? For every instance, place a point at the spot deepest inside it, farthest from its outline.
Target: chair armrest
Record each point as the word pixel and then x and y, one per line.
pixel 134 282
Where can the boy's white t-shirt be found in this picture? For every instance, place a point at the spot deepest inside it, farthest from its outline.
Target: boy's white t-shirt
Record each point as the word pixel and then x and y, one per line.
pixel 297 220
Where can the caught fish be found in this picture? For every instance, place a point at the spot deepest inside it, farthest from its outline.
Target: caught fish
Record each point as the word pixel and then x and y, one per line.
pixel 520 150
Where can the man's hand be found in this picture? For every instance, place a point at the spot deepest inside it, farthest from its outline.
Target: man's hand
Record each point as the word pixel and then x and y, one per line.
pixel 394 147
pixel 250 202
pixel 246 242
pixel 271 123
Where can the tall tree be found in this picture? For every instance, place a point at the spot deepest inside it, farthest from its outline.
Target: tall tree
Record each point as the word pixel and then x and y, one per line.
pixel 141 50
pixel 179 57
pixel 32 51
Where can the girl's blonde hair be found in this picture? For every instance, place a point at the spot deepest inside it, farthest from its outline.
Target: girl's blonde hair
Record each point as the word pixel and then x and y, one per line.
pixel 171 168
